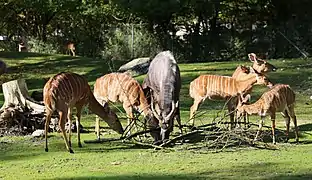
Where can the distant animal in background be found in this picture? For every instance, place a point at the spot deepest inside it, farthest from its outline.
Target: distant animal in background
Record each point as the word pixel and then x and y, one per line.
pixel 3 67
pixel 22 47
pixel 70 49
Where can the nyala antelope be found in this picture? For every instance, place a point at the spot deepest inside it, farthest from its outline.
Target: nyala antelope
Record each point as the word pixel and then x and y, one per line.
pixel 259 65
pixel 70 49
pixel 215 87
pixel 163 83
pixel 121 87
pixel 22 47
pixel 67 90
pixel 280 98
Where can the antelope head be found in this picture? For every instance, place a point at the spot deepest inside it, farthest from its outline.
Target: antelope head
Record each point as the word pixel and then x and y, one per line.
pixel 112 119
pixel 260 65
pixel 261 78
pixel 165 119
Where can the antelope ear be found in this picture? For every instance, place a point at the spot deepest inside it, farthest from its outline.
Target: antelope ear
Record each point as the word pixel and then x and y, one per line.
pixel 252 57
pixel 246 98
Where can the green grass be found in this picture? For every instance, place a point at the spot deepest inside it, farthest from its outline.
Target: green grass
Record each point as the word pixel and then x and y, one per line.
pixel 24 157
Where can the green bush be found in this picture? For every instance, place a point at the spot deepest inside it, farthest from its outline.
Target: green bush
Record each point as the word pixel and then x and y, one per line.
pixel 121 44
pixel 38 46
pixel 8 46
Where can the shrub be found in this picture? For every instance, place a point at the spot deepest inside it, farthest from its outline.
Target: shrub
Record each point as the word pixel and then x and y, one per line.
pixel 38 46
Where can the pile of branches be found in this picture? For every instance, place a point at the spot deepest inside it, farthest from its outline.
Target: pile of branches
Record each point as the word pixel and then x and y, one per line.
pixel 221 138
pixel 18 121
pixel 218 136
pixel 15 120
pixel 215 136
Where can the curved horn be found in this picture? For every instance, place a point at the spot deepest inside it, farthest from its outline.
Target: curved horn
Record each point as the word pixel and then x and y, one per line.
pixel 172 110
pixel 153 110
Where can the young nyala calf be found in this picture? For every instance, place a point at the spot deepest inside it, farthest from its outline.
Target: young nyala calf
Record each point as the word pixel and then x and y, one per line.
pixel 280 98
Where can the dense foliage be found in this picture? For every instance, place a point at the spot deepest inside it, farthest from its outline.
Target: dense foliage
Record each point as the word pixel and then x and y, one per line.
pixel 205 30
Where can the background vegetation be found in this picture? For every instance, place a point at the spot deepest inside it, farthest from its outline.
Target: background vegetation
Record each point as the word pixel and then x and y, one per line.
pixel 206 30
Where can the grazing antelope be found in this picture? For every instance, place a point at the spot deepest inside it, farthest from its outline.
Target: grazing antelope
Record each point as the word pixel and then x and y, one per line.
pixel 280 98
pixel 67 90
pixel 163 82
pixel 70 49
pixel 217 87
pixel 121 87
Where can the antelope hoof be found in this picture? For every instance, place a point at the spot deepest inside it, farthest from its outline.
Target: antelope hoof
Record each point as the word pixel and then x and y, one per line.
pixel 46 149
pixel 71 151
pixel 79 145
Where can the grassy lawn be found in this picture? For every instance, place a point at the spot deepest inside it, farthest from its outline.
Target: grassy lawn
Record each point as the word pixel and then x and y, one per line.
pixel 24 157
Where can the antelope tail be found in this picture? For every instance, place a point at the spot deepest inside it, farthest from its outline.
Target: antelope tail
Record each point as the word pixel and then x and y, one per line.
pixel 49 97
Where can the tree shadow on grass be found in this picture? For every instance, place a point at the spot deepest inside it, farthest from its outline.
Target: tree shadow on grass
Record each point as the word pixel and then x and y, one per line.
pixel 205 175
pixel 305 127
pixel 111 146
pixel 58 64
pixel 14 151
pixel 258 170
pixel 21 55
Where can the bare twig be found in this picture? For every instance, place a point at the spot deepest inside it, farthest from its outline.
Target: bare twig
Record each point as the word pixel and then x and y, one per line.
pixel 147 144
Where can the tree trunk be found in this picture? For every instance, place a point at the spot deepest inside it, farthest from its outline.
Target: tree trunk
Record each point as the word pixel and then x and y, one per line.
pixel 15 92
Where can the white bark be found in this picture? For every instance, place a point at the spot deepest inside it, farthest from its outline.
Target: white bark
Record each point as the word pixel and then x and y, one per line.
pixel 16 92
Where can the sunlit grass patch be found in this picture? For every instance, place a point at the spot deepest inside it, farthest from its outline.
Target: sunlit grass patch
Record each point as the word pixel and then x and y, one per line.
pixel 25 158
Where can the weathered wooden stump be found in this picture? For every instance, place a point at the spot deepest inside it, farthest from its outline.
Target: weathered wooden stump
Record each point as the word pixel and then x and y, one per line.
pixel 19 110
pixel 16 92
